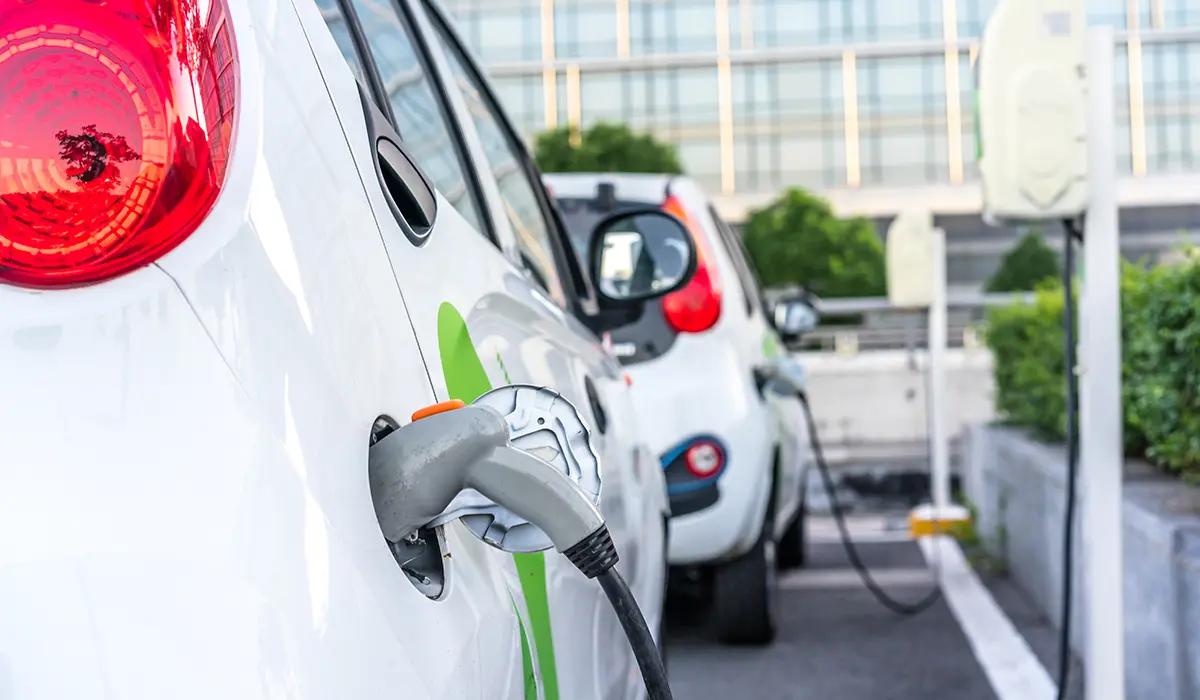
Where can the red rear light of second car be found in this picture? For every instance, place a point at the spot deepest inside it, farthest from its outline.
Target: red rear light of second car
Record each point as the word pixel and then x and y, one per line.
pixel 116 124
pixel 704 459
pixel 696 307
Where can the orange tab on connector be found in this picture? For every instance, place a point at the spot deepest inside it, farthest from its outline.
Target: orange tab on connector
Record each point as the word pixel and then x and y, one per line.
pixel 437 408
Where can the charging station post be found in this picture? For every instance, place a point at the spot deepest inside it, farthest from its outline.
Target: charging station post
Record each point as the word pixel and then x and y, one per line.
pixel 939 441
pixel 1046 117
pixel 1100 417
pixel 916 274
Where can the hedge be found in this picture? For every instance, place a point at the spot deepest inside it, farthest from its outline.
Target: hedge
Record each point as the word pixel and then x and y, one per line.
pixel 1160 323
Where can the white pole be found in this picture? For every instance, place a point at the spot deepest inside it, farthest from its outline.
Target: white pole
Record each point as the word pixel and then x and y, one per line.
pixel 939 448
pixel 1100 419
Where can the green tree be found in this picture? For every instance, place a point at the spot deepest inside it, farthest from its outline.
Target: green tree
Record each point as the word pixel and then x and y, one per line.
pixel 604 148
pixel 1028 264
pixel 798 240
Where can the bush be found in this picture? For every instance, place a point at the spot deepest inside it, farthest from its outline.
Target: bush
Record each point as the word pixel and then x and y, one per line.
pixel 1160 327
pixel 1027 343
pixel 604 148
pixel 1162 396
pixel 796 240
pixel 1027 265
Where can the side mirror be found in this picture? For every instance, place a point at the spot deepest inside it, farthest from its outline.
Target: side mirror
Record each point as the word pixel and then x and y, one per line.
pixel 794 317
pixel 640 255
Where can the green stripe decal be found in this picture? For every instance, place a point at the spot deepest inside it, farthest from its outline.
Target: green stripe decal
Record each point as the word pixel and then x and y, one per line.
pixel 466 380
pixel 532 570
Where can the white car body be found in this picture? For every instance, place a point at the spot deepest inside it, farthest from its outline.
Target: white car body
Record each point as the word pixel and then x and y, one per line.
pixel 700 386
pixel 184 505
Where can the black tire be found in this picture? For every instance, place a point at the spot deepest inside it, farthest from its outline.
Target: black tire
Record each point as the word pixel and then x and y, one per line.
pixel 745 595
pixel 793 546
pixel 662 613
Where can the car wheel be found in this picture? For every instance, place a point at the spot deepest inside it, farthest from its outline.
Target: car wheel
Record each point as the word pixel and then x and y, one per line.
pixel 745 595
pixel 793 546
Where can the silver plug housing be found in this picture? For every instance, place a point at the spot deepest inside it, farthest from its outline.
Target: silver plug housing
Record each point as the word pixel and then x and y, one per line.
pixel 417 471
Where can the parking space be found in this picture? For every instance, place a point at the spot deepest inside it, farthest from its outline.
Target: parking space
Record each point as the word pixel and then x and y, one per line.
pixel 835 642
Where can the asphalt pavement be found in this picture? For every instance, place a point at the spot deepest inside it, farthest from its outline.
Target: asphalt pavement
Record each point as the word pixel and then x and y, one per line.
pixel 834 641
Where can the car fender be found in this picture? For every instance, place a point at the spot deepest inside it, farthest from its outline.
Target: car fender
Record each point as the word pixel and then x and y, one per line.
pixel 755 514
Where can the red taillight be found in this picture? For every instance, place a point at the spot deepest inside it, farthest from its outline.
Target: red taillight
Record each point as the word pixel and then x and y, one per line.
pixel 697 306
pixel 116 120
pixel 704 459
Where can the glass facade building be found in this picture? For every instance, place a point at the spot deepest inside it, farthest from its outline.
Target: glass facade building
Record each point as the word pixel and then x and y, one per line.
pixel 760 94
pixel 826 94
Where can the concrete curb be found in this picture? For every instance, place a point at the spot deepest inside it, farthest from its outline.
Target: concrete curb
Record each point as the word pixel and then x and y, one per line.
pixel 1017 487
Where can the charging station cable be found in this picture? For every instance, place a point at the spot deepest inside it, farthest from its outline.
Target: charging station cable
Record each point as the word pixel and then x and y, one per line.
pixel 864 573
pixel 417 471
pixel 1073 231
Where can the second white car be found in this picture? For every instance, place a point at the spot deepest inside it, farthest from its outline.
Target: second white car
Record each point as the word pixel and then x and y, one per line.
pixel 731 440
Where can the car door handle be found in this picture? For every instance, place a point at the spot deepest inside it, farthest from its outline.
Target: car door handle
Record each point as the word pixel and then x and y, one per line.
pixel 411 197
pixel 408 192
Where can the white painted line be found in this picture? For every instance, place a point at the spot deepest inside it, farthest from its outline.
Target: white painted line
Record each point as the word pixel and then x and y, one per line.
pixel 848 578
pixel 1011 666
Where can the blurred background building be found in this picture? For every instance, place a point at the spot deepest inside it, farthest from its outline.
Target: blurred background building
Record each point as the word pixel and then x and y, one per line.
pixel 868 102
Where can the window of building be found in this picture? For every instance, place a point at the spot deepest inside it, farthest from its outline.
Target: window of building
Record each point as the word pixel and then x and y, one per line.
pixel 888 20
pixel 966 95
pixel 533 233
pixel 789 126
pixel 501 34
pixel 902 120
pixel 523 97
pixel 1172 123
pixel 973 15
pixel 585 29
pixel 420 118
pixel 1179 13
pixel 1111 12
pixel 680 26
pixel 701 160
pixel 784 23
pixel 603 98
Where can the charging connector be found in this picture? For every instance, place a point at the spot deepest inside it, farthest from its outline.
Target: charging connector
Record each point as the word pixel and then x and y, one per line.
pixel 417 471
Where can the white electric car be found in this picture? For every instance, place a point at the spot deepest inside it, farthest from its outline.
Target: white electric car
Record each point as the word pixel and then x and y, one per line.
pixel 241 241
pixel 704 363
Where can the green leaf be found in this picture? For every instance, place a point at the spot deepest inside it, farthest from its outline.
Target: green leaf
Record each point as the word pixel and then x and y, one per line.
pixel 604 148
pixel 1029 263
pixel 1160 366
pixel 797 240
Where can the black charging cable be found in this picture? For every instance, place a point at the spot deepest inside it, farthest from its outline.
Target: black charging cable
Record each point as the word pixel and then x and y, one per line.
pixel 864 573
pixel 649 661
pixel 596 557
pixel 1072 232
